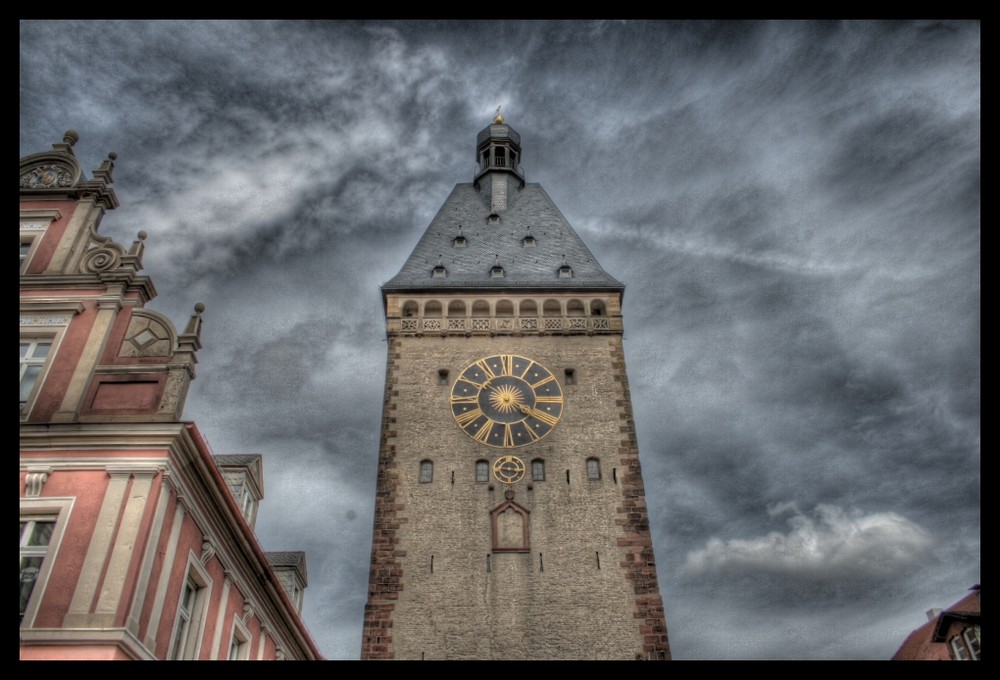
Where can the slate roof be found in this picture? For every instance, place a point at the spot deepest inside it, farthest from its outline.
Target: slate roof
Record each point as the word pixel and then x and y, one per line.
pixel 289 558
pixel 530 212
pixel 237 459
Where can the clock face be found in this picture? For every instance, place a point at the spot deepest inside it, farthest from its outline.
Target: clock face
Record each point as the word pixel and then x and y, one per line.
pixel 506 401
pixel 509 469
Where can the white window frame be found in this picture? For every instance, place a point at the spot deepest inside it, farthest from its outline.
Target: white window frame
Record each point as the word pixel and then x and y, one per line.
pixel 972 642
pixel 239 642
pixel 40 326
pixel 192 629
pixel 958 649
pixel 45 508
pixel 29 360
pixel 33 225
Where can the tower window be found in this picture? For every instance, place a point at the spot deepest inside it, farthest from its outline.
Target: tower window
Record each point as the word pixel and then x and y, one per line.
pixel 426 472
pixel 442 376
pixel 570 377
pixel 593 468
pixel 482 471
pixel 538 470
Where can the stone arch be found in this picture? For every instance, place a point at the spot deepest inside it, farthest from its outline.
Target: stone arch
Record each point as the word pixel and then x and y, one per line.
pixel 432 309
pixel 456 308
pixel 575 308
pixel 597 308
pixel 551 308
pixel 410 309
pixel 480 308
pixel 505 308
pixel 529 308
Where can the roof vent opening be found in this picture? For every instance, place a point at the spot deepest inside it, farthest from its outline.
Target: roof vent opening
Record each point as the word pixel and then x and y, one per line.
pixel 493 219
pixel 459 241
pixel 528 241
pixel 497 271
pixel 565 271
pixel 439 272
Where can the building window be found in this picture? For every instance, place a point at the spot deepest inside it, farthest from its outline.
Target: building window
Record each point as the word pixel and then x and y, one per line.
pixel 971 636
pixel 959 650
pixel 538 470
pixel 34 351
pixel 426 471
pixel 593 468
pixel 239 645
pixel 482 471
pixel 965 647
pixel 442 376
pixel 570 377
pixel 190 614
pixel 36 536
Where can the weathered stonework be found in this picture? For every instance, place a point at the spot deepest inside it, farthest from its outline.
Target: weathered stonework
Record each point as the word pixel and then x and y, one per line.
pixel 557 567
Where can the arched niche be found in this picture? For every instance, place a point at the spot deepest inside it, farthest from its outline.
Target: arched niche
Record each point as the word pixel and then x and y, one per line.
pixel 505 308
pixel 551 308
pixel 575 308
pixel 480 308
pixel 510 528
pixel 456 308
pixel 432 309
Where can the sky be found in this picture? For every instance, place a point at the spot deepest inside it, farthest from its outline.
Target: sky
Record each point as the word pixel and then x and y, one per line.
pixel 794 208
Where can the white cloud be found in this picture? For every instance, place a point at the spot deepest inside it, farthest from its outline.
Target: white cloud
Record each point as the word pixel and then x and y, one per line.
pixel 833 542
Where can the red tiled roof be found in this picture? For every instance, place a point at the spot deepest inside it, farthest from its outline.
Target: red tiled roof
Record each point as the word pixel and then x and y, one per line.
pixel 920 643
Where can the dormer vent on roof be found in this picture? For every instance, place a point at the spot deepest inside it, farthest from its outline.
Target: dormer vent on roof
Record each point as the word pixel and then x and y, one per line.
pixel 459 241
pixel 497 271
pixel 528 241
pixel 565 271
pixel 439 272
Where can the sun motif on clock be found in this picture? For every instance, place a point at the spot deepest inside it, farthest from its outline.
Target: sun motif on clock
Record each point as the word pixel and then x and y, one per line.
pixel 506 401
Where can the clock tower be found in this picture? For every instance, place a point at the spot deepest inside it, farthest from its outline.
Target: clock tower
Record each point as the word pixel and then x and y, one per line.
pixel 510 513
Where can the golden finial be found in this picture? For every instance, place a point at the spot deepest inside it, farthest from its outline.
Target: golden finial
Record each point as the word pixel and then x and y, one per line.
pixel 498 119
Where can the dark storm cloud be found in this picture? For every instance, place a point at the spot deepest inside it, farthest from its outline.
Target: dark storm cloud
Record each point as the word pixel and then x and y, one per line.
pixel 794 208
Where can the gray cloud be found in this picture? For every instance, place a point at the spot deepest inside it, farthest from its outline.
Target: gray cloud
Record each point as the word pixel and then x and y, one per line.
pixel 794 208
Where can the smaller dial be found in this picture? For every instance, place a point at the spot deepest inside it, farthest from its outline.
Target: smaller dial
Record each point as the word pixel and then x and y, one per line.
pixel 508 469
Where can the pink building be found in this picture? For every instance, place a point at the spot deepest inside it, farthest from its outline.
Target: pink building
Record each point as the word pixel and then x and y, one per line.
pixel 136 542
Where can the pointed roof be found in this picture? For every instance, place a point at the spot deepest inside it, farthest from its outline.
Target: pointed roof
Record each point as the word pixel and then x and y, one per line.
pixel 500 233
pixel 500 241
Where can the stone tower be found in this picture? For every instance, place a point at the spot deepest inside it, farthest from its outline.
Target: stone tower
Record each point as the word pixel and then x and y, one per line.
pixel 510 514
